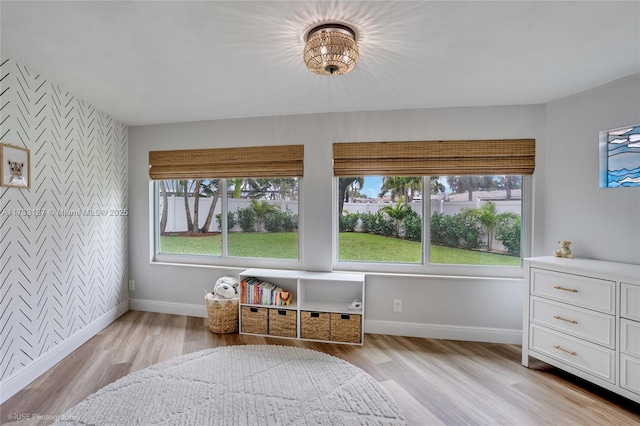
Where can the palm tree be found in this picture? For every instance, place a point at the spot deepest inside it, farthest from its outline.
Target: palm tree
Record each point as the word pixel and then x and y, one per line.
pixel 258 188
pixel 404 187
pixel 460 184
pixel 199 188
pixel 397 213
pixel 509 182
pixel 210 188
pixel 344 183
pixel 185 195
pixel 436 186
pixel 489 219
pixel 285 188
pixel 237 187
pixel 165 207
pixel 261 210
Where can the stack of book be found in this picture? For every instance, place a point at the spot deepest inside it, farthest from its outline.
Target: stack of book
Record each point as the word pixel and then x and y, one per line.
pixel 254 291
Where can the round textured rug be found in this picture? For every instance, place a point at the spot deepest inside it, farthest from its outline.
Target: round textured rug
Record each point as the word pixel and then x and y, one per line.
pixel 242 385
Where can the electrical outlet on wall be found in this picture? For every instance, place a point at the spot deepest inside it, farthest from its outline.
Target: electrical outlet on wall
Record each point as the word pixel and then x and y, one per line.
pixel 132 285
pixel 397 305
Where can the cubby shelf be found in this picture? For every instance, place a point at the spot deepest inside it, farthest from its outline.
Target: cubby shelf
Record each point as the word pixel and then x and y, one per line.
pixel 320 293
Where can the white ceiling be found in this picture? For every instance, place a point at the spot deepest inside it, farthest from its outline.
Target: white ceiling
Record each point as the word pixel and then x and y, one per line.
pixel 147 62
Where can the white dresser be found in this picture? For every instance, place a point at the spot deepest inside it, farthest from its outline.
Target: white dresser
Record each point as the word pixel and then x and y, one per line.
pixel 583 316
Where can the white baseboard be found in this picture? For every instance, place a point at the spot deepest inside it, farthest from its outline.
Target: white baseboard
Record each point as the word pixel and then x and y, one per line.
pixel 449 332
pixel 189 310
pixel 394 328
pixel 13 384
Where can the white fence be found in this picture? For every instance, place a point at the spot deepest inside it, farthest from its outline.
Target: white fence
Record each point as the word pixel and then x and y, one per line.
pixel 177 217
pixel 442 207
pixel 177 220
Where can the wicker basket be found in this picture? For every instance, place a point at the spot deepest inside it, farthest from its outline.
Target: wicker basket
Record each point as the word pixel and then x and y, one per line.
pixel 346 328
pixel 282 322
pixel 254 320
pixel 314 325
pixel 223 315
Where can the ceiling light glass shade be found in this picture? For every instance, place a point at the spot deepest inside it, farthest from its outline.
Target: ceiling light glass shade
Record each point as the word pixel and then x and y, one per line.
pixel 331 50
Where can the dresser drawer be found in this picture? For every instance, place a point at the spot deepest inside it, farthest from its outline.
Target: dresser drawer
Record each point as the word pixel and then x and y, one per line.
pixel 630 337
pixel 590 325
pixel 630 373
pixel 591 358
pixel 630 301
pixel 577 290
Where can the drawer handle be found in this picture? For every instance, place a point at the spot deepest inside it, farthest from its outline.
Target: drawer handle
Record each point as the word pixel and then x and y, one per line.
pixel 282 312
pixel 253 309
pixel 558 317
pixel 572 290
pixel 560 348
pixel 315 314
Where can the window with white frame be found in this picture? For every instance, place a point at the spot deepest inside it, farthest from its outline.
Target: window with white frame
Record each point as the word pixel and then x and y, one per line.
pixel 215 203
pixel 261 217
pixel 473 219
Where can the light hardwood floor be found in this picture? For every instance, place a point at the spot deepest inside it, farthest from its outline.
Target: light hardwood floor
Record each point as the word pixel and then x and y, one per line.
pixel 436 382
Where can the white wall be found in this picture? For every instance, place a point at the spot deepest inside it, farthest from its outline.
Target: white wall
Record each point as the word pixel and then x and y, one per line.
pixel 601 223
pixel 62 278
pixel 471 308
pixel 567 203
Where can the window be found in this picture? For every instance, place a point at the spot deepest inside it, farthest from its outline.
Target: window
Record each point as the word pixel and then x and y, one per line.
pixel 217 203
pixel 261 217
pixel 187 209
pixel 475 219
pixel 380 219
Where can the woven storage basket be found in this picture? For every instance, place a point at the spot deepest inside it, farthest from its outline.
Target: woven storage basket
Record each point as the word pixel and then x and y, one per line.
pixel 346 328
pixel 254 320
pixel 282 322
pixel 223 315
pixel 314 325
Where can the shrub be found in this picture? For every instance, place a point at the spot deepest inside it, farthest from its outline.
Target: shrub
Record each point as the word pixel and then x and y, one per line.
pixel 368 223
pixel 377 223
pixel 289 221
pixel 467 231
pixel 231 220
pixel 246 219
pixel 412 227
pixel 348 222
pixel 438 230
pixel 508 233
pixel 458 230
pixel 384 225
pixel 279 221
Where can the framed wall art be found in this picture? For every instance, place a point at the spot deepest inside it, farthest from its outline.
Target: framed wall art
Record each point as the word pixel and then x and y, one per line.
pixel 15 166
pixel 620 157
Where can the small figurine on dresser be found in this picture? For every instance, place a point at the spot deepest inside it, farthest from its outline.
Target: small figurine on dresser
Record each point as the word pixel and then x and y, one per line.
pixel 564 250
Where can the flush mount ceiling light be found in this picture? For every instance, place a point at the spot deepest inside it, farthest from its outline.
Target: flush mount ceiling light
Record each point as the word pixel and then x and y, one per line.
pixel 331 49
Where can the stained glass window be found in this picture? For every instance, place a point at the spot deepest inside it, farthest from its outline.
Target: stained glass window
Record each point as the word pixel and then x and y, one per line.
pixel 620 157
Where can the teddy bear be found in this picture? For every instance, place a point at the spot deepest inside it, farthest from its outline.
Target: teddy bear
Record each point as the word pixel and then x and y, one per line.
pixel 564 250
pixel 285 297
pixel 226 287
pixel 15 172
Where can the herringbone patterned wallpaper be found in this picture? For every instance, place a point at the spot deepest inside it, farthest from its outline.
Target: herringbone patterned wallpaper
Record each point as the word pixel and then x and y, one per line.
pixel 63 243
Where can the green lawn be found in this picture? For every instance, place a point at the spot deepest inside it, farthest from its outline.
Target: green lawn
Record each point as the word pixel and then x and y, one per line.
pixel 280 245
pixel 353 246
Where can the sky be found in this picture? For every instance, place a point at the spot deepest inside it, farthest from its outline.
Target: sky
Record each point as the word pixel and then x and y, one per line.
pixel 372 186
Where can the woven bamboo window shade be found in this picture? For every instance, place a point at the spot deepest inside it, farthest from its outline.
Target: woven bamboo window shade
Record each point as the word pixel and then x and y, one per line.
pixel 435 158
pixel 245 162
